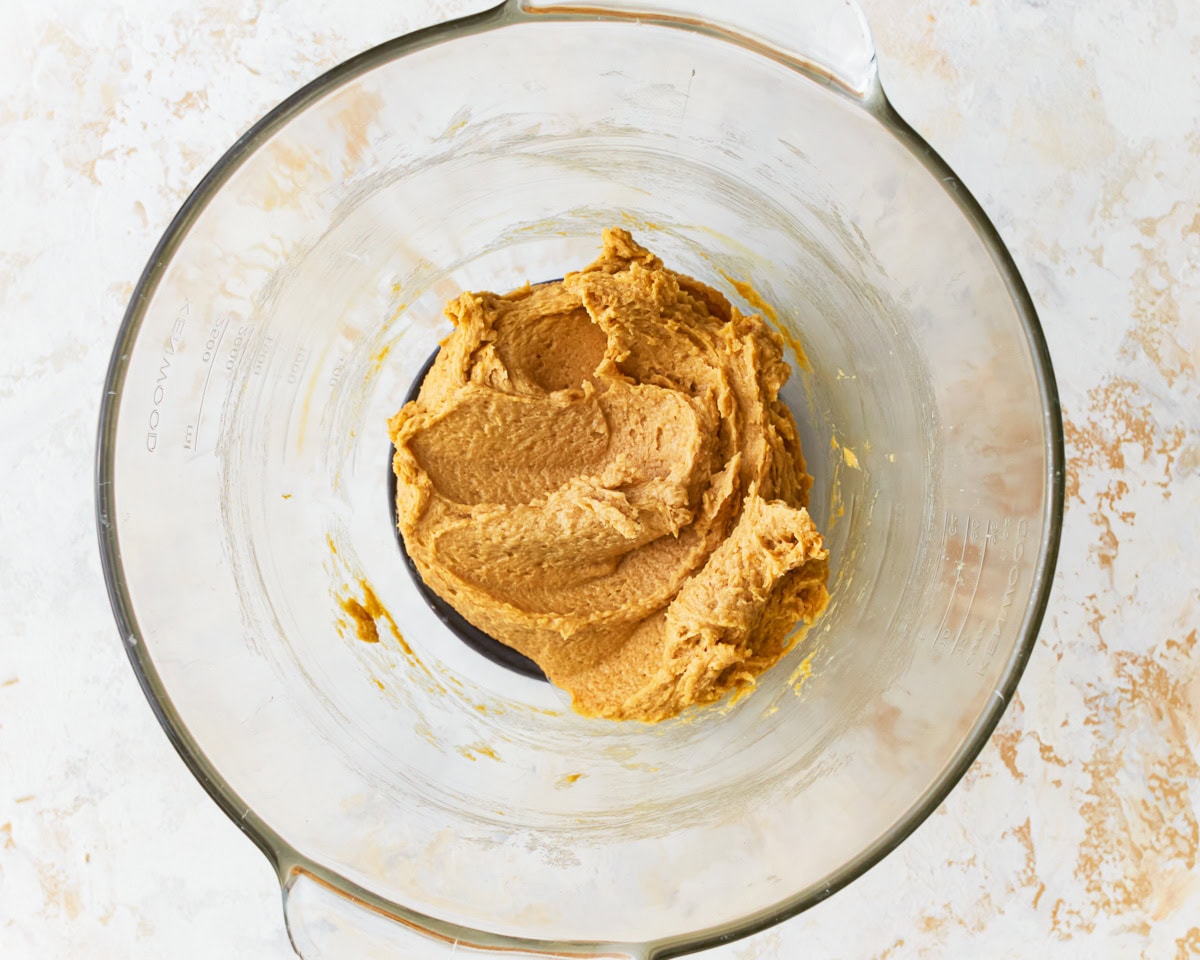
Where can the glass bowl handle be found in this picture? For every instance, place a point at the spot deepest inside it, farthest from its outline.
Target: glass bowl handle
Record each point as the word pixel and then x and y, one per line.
pixel 326 924
pixel 829 38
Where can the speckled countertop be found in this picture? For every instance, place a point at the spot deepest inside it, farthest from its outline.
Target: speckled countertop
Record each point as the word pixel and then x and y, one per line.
pixel 1077 125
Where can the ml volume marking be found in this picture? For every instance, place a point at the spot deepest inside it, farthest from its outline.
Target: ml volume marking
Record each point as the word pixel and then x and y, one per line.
pixel 211 346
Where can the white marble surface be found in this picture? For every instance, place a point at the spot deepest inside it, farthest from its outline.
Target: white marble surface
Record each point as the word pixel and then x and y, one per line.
pixel 1078 127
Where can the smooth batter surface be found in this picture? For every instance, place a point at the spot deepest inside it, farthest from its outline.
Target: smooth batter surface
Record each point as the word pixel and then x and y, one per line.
pixel 599 473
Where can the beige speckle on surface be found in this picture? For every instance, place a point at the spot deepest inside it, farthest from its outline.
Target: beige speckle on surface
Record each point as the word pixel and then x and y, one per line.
pixel 1076 125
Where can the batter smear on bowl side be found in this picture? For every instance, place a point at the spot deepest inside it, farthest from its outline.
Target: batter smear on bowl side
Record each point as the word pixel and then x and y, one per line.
pixel 599 473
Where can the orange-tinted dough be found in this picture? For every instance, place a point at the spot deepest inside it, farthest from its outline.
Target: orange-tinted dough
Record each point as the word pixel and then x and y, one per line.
pixel 599 473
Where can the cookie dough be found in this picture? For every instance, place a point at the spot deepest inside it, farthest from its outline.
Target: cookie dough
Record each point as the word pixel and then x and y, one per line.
pixel 599 473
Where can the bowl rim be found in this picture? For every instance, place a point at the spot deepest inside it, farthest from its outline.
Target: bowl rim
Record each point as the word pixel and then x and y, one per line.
pixel 288 862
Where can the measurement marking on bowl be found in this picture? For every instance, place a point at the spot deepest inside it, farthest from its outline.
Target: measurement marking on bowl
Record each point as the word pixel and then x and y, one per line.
pixel 1012 580
pixel 262 355
pixel 295 369
pixel 949 529
pixel 978 576
pixel 994 533
pixel 211 346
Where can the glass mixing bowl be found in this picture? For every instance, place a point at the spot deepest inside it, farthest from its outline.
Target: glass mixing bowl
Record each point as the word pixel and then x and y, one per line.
pixel 417 798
